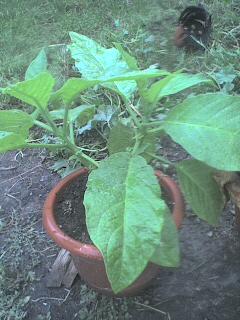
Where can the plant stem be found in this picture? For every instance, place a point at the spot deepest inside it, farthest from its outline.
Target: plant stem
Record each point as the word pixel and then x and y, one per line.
pixel 86 160
pixel 162 159
pixel 153 123
pixel 47 117
pixel 71 129
pixel 155 129
pixel 133 115
pixel 59 133
pixel 35 114
pixel 43 125
pixel 137 143
pixel 65 121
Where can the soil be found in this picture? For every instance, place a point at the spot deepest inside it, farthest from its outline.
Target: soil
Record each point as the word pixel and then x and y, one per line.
pixel 205 287
pixel 70 211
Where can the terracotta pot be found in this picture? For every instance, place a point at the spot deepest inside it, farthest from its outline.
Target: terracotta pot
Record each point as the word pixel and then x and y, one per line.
pixel 87 258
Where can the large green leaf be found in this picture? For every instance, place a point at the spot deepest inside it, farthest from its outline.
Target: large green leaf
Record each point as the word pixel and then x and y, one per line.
pixel 15 121
pixel 167 253
pixel 35 92
pixel 11 141
pixel 172 84
pixel 208 127
pixel 38 65
pixel 81 114
pixel 94 61
pixel 120 138
pixel 124 215
pixel 71 89
pixel 201 190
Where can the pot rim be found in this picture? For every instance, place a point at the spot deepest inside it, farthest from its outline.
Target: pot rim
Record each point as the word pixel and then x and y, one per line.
pixel 87 250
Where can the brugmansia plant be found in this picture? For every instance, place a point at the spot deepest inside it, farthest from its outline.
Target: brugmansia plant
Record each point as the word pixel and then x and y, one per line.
pixel 128 230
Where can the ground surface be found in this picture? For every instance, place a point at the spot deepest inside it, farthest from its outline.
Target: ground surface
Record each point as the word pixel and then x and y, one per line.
pixel 207 285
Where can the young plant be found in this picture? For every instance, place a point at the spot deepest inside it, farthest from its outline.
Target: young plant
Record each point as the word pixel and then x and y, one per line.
pixel 126 217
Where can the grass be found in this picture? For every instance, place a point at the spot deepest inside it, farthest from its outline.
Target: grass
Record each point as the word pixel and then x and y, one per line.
pixel 145 27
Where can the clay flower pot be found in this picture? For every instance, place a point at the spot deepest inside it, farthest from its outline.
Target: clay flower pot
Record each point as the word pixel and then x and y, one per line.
pixel 87 258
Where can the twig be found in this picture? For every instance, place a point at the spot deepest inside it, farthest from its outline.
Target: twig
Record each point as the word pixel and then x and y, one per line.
pixel 6 169
pixel 53 298
pixel 154 309
pixel 16 199
pixel 135 109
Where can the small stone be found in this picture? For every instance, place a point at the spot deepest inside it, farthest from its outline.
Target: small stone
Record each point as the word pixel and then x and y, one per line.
pixel 210 234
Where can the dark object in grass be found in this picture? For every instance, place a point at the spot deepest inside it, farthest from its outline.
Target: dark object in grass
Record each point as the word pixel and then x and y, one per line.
pixel 194 28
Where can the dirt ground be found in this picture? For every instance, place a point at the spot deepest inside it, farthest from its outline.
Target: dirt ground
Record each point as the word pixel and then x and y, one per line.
pixel 205 287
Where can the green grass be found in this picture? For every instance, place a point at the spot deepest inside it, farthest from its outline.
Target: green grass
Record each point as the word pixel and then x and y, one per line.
pixel 145 27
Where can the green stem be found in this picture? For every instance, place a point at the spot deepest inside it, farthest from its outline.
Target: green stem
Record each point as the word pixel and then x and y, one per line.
pixel 133 115
pixel 65 121
pixel 86 160
pixel 43 125
pixel 153 123
pixel 71 129
pixel 156 129
pixel 47 117
pixel 137 143
pixel 59 133
pixel 35 114
pixel 162 159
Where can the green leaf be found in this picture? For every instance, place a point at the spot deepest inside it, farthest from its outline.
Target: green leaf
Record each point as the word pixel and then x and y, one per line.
pixel 130 60
pixel 81 114
pixel 38 65
pixel 124 215
pixel 135 75
pixel 148 146
pixel 94 61
pixel 11 141
pixel 71 89
pixel 15 121
pixel 35 92
pixel 172 84
pixel 208 127
pixel 201 190
pixel 14 127
pixel 142 82
pixel 120 138
pixel 167 253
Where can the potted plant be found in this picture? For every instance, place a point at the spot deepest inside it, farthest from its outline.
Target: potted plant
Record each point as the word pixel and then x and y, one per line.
pixel 128 222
